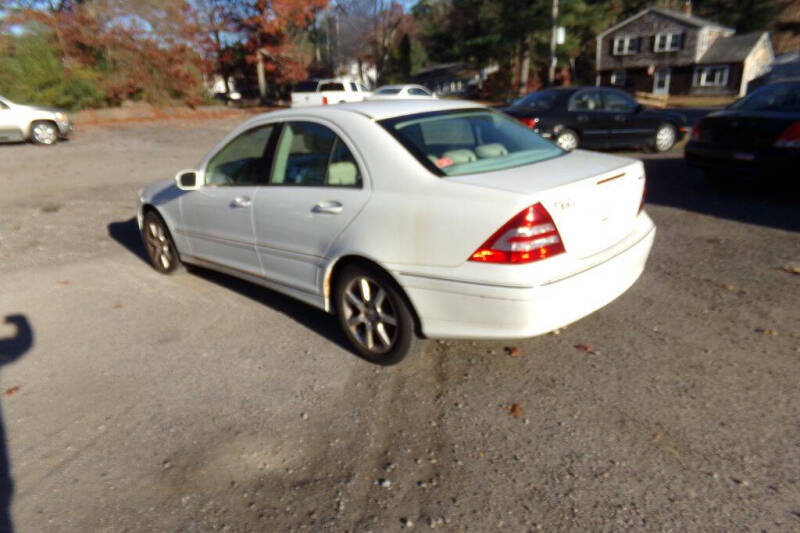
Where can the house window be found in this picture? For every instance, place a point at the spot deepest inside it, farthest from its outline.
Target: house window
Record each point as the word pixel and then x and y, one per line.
pixel 667 42
pixel 618 78
pixel 626 45
pixel 711 76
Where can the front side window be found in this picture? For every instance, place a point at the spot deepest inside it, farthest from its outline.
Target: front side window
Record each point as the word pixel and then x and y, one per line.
pixel 711 76
pixel 3 105
pixel 586 101
pixel 416 91
pixel 353 87
pixel 388 90
pixel 618 102
pixel 310 154
pixel 453 143
pixel 243 161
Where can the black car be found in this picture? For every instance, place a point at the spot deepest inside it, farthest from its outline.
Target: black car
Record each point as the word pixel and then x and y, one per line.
pixel 757 133
pixel 597 117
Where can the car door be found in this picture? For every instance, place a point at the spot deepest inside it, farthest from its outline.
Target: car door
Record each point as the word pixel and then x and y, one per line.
pixel 9 129
pixel 626 125
pixel 585 116
pixel 218 217
pixel 316 188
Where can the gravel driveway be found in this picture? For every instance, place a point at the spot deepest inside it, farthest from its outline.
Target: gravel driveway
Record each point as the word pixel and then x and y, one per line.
pixel 139 402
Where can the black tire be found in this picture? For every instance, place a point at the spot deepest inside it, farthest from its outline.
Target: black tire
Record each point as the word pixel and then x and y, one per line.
pixel 44 132
pixel 666 143
pixel 158 244
pixel 366 319
pixel 567 140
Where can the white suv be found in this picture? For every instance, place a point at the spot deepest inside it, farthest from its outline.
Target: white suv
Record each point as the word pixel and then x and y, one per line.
pixel 39 124
pixel 324 92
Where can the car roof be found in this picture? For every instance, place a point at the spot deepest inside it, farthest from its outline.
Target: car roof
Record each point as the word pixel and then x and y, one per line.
pixel 381 109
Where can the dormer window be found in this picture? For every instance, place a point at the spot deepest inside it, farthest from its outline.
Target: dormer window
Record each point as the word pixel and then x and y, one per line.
pixel 667 42
pixel 626 45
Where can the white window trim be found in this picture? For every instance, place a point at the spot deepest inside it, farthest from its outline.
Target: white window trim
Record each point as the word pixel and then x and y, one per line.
pixel 628 40
pixel 618 77
pixel 673 42
pixel 703 81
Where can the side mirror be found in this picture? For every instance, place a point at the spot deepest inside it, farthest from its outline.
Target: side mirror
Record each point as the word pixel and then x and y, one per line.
pixel 187 180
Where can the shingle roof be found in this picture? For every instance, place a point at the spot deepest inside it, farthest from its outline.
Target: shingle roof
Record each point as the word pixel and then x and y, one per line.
pixel 731 49
pixel 688 19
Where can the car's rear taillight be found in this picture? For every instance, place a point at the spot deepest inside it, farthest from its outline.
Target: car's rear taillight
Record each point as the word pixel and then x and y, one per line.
pixel 324 100
pixel 790 138
pixel 530 236
pixel 530 122
pixel 696 131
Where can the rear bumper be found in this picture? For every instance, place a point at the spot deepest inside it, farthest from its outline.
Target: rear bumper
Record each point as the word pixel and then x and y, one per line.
pixel 451 309
pixel 708 157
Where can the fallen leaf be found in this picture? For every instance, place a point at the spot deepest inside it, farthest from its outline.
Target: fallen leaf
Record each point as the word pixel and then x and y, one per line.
pixel 515 410
pixel 729 287
pixel 64 282
pixel 586 348
pixel 791 269
pixel 771 332
pixel 117 306
pixel 656 438
pixel 513 351
pixel 12 390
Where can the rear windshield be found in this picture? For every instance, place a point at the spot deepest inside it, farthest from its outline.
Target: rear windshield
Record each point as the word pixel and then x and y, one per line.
pixel 540 100
pixel 453 143
pixel 331 86
pixel 306 87
pixel 388 90
pixel 780 97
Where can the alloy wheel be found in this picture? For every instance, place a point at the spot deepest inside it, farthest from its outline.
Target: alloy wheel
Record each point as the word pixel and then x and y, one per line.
pixel 44 133
pixel 665 138
pixel 158 244
pixel 369 315
pixel 567 141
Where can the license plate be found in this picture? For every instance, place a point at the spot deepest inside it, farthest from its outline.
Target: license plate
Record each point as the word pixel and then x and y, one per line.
pixel 744 156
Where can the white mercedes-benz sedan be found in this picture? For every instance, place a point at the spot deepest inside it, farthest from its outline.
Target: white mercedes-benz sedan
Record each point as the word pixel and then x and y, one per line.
pixel 408 219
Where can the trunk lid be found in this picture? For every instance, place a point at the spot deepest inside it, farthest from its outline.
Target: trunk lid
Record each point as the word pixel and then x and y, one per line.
pixel 593 198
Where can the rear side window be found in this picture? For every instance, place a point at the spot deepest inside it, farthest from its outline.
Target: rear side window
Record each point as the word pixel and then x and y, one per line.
pixel 453 143
pixel 779 97
pixel 306 87
pixel 353 87
pixel 331 86
pixel 3 105
pixel 416 91
pixel 309 154
pixel 388 90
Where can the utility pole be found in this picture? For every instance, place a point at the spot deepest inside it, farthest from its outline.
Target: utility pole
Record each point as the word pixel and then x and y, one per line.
pixel 551 76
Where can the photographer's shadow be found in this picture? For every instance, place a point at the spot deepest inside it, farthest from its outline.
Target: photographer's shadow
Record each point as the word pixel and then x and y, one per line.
pixel 11 349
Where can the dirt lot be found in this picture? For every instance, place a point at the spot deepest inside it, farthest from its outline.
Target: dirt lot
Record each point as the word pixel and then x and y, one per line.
pixel 139 402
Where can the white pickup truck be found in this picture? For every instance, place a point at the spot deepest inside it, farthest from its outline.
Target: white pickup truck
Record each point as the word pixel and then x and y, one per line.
pixel 324 92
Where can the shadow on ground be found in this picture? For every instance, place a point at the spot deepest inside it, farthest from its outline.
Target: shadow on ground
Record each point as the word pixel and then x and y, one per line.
pixel 127 234
pixel 11 349
pixel 766 200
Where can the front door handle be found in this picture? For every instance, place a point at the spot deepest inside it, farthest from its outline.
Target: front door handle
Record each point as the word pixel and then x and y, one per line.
pixel 620 118
pixel 241 201
pixel 583 118
pixel 329 208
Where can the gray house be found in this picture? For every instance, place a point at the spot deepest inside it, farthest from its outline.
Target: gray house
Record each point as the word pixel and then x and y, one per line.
pixel 674 52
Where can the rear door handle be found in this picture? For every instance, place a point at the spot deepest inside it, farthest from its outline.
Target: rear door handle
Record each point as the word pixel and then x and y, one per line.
pixel 582 118
pixel 330 207
pixel 620 118
pixel 241 201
